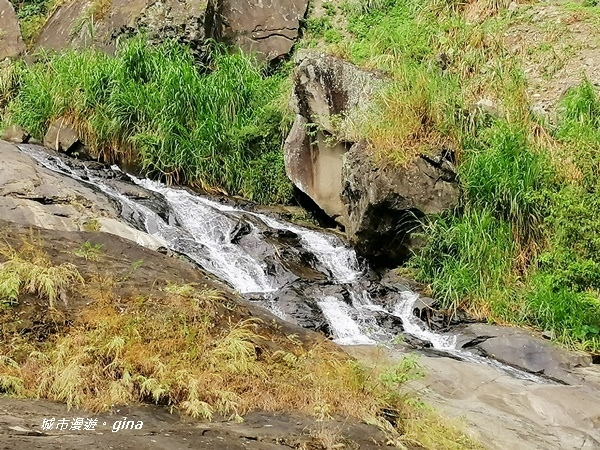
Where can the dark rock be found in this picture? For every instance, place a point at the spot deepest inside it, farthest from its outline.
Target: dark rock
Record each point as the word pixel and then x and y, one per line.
pixel 241 229
pixel 11 42
pixel 270 27
pixel 386 204
pixel 301 309
pixel 380 206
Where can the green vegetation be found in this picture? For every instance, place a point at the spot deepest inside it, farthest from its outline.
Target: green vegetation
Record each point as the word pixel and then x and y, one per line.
pixel 89 251
pixel 440 63
pixel 522 246
pixel 33 15
pixel 219 126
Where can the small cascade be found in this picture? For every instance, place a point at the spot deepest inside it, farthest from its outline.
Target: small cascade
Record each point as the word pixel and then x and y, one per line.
pixel 416 327
pixel 207 232
pixel 346 330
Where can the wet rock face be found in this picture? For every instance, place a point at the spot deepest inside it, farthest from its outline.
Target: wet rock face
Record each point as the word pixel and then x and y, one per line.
pixel 268 27
pixel 33 195
pixel 11 42
pixel 520 348
pixel 326 158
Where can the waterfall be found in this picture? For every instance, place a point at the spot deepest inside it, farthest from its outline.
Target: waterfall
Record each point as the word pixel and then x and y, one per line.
pixel 205 231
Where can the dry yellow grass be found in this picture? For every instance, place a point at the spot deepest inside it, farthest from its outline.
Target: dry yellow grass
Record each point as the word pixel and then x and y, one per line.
pixel 195 350
pixel 30 270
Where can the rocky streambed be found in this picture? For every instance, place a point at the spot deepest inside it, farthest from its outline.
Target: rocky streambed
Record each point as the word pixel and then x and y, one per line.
pixel 314 280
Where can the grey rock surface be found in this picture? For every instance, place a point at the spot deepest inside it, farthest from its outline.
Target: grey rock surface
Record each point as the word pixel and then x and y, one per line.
pixel 269 27
pixel 61 136
pixel 11 42
pixel 33 195
pixel 518 347
pixel 326 157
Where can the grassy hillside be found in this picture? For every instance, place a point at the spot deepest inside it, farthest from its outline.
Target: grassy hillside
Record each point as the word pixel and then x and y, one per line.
pixel 483 79
pixel 219 126
pixel 522 246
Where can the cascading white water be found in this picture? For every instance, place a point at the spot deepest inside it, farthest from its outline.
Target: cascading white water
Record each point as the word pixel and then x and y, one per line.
pixel 415 326
pixel 339 259
pixel 213 231
pixel 204 231
pixel 346 330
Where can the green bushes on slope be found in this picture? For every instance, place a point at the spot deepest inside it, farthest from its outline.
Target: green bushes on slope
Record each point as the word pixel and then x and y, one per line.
pixel 522 246
pixel 220 126
pixel 525 246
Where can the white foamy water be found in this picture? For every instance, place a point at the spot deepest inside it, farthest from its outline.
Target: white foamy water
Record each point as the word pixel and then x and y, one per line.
pixel 203 231
pixel 339 316
pixel 415 326
pixel 332 252
pixel 212 231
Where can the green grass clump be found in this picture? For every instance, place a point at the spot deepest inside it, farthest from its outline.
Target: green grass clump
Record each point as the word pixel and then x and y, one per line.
pixel 219 126
pixel 521 247
pixel 524 246
pixel 33 15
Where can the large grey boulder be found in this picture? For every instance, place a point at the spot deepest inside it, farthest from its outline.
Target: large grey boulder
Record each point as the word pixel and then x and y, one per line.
pixel 386 204
pixel 328 95
pixel 79 23
pixel 11 42
pixel 327 158
pixel 269 27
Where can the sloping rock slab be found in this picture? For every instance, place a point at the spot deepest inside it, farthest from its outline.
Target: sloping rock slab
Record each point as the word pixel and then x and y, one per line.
pixel 33 195
pixel 520 348
pixel 21 420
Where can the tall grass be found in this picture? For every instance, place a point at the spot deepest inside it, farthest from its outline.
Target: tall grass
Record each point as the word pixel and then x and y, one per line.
pixel 440 63
pixel 524 247
pixel 219 126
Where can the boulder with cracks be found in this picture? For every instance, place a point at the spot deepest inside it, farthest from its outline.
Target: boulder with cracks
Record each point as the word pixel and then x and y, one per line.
pixel 380 205
pixel 269 28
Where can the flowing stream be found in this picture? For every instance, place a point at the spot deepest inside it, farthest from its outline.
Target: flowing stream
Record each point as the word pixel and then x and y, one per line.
pixel 251 252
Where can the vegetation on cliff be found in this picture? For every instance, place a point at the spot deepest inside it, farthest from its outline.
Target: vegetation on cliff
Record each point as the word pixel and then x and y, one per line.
pixel 219 125
pixel 521 248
